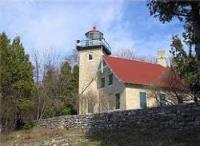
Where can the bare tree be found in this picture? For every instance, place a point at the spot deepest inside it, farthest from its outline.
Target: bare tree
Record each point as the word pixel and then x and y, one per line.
pixel 36 62
pixel 43 62
pixel 155 93
pixel 125 53
pixel 106 102
pixel 130 54
pixel 175 89
pixel 88 101
pixel 73 58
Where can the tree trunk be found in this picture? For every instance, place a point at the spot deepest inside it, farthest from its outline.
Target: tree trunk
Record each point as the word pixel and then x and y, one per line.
pixel 197 49
pixel 179 98
pixel 196 37
pixel 195 98
pixel 196 29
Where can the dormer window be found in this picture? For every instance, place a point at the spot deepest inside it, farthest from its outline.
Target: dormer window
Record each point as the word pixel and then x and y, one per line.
pixel 90 57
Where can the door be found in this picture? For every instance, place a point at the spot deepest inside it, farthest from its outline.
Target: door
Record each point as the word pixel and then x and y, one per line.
pixel 143 100
pixel 117 101
pixel 90 106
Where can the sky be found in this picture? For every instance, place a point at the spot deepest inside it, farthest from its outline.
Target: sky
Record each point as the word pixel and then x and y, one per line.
pixel 55 25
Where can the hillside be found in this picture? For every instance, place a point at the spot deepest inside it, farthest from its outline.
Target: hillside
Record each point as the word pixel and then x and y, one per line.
pixel 75 137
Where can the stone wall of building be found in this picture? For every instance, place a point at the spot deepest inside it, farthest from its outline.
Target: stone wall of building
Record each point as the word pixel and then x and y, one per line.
pixel 179 117
pixel 107 94
pixel 87 78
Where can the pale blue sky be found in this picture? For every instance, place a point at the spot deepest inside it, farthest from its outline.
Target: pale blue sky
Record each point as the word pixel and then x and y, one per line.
pixel 56 24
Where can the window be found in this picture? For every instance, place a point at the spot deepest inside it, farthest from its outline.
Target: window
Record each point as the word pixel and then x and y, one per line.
pixel 143 100
pixel 110 79
pixel 102 82
pixel 91 35
pixel 117 100
pixel 162 99
pixel 90 106
pixel 101 66
pixel 90 57
pixel 104 63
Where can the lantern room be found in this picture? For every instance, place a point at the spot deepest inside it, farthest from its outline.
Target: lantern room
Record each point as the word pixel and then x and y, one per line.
pixel 94 34
pixel 94 39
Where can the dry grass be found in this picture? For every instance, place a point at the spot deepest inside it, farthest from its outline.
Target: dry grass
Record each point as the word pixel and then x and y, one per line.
pixel 128 137
pixel 35 134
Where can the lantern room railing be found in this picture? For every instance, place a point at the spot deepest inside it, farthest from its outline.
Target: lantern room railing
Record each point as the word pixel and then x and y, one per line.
pixel 93 42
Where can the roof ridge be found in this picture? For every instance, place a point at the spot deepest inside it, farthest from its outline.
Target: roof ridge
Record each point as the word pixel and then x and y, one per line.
pixel 136 72
pixel 134 60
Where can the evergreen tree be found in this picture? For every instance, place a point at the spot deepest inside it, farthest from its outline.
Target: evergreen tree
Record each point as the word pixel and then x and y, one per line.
pixel 58 91
pixel 65 80
pixel 50 81
pixel 188 12
pixel 16 83
pixel 48 91
pixel 56 95
pixel 185 65
pixel 75 84
pixel 66 87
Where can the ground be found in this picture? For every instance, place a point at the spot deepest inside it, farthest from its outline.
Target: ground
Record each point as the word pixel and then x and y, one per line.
pixel 76 137
pixel 47 137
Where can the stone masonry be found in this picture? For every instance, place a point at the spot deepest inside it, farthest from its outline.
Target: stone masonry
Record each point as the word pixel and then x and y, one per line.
pixel 179 117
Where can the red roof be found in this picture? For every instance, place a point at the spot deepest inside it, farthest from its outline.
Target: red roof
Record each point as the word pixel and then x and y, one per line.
pixel 136 72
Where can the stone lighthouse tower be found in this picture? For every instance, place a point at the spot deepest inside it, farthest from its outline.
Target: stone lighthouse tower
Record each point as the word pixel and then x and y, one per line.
pixel 91 51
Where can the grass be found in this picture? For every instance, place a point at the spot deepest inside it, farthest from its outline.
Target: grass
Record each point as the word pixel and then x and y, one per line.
pixel 118 137
pixel 42 136
pixel 152 137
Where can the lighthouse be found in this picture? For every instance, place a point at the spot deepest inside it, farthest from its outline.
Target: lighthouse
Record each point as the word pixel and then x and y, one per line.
pixel 91 51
